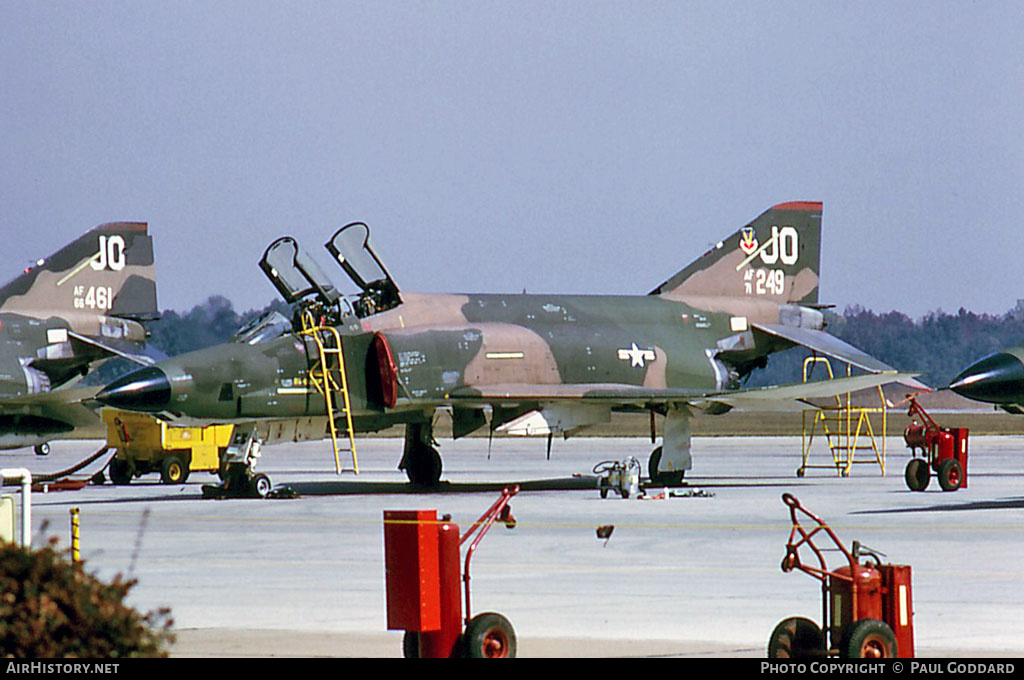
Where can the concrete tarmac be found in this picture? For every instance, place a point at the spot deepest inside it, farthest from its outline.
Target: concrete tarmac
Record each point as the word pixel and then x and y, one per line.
pixel 696 575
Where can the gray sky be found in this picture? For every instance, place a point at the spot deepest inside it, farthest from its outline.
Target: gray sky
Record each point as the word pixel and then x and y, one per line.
pixel 579 147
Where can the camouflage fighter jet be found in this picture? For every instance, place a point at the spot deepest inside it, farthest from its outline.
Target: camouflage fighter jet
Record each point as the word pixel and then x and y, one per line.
pixel 81 305
pixel 996 379
pixel 537 364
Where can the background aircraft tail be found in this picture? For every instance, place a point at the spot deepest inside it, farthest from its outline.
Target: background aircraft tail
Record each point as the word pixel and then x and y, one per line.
pixel 776 257
pixel 107 271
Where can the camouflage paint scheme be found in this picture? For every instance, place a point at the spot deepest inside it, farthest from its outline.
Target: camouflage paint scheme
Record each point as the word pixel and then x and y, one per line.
pixel 81 305
pixel 524 364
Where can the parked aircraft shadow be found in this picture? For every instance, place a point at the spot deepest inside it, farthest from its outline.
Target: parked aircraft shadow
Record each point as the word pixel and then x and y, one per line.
pixel 747 482
pixel 580 483
pixel 189 491
pixel 349 488
pixel 995 504
pixel 57 499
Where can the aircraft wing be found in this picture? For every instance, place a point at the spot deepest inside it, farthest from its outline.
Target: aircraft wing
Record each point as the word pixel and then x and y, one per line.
pixel 633 395
pixel 531 409
pixel 71 413
pixel 831 346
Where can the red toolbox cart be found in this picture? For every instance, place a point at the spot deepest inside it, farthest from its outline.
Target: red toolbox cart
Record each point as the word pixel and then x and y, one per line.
pixel 421 563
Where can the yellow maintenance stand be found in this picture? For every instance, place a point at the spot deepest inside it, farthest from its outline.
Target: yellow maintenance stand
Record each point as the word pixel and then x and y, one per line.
pixel 846 428
pixel 145 444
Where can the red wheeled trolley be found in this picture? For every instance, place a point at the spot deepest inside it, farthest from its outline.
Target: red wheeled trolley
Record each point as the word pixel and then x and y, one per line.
pixel 421 562
pixel 943 449
pixel 866 608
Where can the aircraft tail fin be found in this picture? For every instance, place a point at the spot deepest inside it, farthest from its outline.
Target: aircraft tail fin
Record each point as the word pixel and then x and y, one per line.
pixel 776 257
pixel 108 271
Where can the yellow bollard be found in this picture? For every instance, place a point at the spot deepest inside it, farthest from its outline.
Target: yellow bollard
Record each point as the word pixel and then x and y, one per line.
pixel 74 535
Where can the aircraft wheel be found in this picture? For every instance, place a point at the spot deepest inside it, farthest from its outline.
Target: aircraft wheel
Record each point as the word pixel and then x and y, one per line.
pixel 236 479
pixel 796 638
pixel 173 470
pixel 120 471
pixel 950 474
pixel 261 485
pixel 42 449
pixel 917 474
pixel 222 468
pixel 490 636
pixel 662 478
pixel 411 645
pixel 424 467
pixel 868 639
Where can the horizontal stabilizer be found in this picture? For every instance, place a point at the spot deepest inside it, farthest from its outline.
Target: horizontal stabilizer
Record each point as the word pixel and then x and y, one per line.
pixel 831 346
pixel 110 349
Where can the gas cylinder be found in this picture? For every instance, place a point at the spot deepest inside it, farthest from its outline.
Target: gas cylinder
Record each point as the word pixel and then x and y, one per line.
pixel 944 446
pixel 914 436
pixel 869 597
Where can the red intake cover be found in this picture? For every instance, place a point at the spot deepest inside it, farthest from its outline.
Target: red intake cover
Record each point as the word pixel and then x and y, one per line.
pixel 387 369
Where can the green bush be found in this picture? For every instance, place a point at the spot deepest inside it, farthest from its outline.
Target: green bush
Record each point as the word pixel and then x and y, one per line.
pixel 51 608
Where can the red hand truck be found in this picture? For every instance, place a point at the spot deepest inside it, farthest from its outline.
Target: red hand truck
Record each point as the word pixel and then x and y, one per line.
pixel 943 449
pixel 866 607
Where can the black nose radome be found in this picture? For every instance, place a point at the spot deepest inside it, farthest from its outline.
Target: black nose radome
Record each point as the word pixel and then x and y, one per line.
pixel 996 379
pixel 147 389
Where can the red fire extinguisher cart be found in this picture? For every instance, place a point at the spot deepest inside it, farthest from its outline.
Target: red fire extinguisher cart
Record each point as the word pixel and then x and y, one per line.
pixel 421 563
pixel 867 607
pixel 943 449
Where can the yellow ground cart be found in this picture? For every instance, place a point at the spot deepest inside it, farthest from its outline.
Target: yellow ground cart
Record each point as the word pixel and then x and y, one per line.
pixel 145 444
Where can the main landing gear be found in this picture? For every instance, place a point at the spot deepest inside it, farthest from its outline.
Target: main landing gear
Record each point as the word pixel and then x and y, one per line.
pixel 420 460
pixel 669 462
pixel 661 477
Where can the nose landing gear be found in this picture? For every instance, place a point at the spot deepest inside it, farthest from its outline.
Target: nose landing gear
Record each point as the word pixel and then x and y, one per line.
pixel 238 469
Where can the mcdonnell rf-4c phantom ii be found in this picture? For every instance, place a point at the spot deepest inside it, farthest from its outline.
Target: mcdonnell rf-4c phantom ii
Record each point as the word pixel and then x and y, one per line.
pixel 81 305
pixel 537 364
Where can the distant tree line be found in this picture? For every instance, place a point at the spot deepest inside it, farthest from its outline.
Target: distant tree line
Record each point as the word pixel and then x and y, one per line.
pixel 938 345
pixel 209 323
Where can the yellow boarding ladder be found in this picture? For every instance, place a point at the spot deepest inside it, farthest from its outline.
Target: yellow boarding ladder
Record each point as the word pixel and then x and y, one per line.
pixel 846 428
pixel 323 378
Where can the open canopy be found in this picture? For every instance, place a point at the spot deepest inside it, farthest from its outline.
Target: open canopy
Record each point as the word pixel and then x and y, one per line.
pixel 295 274
pixel 351 249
